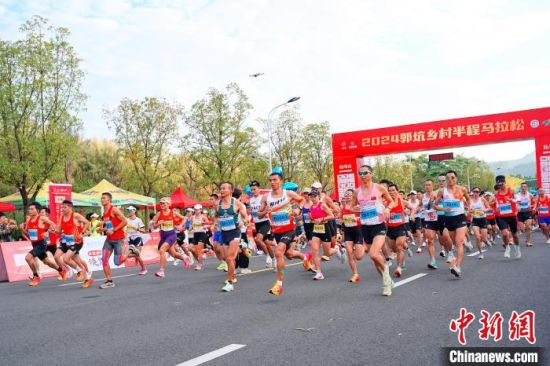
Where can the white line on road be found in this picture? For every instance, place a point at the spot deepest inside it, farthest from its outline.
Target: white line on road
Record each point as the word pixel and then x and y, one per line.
pixel 212 355
pixel 476 253
pixel 268 269
pixel 95 279
pixel 410 279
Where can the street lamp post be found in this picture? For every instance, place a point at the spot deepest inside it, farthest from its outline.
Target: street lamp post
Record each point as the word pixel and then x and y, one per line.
pixel 291 100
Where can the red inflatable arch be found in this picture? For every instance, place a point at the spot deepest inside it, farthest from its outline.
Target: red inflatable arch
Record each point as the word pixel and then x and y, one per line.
pixel 534 124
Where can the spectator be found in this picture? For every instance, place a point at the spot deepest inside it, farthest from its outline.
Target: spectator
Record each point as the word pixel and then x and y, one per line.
pixel 6 228
pixel 150 224
pixel 94 225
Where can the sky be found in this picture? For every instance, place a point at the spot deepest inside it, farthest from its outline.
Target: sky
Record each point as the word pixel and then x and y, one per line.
pixel 357 64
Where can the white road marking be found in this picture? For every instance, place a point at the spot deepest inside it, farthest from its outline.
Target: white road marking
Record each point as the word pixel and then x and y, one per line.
pixel 96 279
pixel 212 355
pixel 268 269
pixel 410 279
pixel 476 253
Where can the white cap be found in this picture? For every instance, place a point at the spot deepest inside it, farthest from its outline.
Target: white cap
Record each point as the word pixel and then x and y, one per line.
pixel 131 208
pixel 317 185
pixel 189 209
pixel 413 192
pixel 198 206
pixel 94 215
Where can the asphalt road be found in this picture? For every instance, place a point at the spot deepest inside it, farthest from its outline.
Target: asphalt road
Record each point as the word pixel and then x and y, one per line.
pixel 152 321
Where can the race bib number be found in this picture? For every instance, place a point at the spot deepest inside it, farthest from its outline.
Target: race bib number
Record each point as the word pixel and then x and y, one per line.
pixel 368 214
pixel 431 216
pixel 255 216
pixel 68 239
pixel 280 218
pixel 452 204
pixel 490 212
pixel 524 205
pixel 307 218
pixel 478 213
pixel 167 226
pixel 543 209
pixel 396 218
pixel 197 225
pixel 131 228
pixel 227 223
pixel 349 220
pixel 319 228
pixel 33 234
pixel 505 209
pixel 109 225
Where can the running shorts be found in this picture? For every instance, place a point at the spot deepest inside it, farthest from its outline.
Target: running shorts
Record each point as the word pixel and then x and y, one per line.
pixel 492 221
pixel 39 250
pixel 217 237
pixel 308 228
pixel 441 224
pixel 137 241
pixel 322 232
pixel 432 225
pixel 509 222
pixel 52 249
pixel 168 237
pixel 455 222
pixel 524 216
pixel 264 228
pixel 332 228
pixel 180 238
pixel 287 238
pixel 230 235
pixel 395 232
pixel 369 232
pixel 480 222
pixel 76 248
pixel 114 246
pixel 200 238
pixel 353 234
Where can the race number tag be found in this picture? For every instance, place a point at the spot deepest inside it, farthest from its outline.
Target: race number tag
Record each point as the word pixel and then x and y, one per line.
pixel 109 225
pixel 167 226
pixel 227 223
pixel 505 209
pixel 396 218
pixel 280 218
pixel 478 213
pixel 489 212
pixel 319 228
pixel 368 214
pixel 543 209
pixel 524 205
pixel 451 204
pixel 33 234
pixel 68 239
pixel 431 216
pixel 349 220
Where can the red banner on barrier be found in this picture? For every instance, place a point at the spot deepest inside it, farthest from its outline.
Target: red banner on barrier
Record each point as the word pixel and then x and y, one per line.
pixel 14 266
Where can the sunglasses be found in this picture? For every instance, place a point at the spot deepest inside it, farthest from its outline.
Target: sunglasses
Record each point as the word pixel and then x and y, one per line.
pixel 366 172
pixel 163 203
pixel 475 191
pixel 451 177
pixel 441 180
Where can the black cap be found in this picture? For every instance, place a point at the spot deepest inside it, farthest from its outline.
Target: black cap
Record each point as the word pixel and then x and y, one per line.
pixel 500 179
pixel 314 192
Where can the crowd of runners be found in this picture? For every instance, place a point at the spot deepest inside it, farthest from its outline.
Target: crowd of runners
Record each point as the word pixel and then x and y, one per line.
pixel 375 219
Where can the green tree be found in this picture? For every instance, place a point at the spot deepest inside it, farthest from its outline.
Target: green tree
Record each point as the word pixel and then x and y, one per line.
pixel 40 97
pixel 316 151
pixel 218 141
pixel 146 130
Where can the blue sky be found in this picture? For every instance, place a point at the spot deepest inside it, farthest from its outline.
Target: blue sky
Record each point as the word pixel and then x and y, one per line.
pixel 357 64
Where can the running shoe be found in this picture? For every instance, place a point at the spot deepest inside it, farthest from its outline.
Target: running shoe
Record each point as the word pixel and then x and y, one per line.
pixel 246 271
pixel 143 272
pixel 62 275
pixel 80 276
pixel 397 272
pixel 325 258
pixel 160 273
pixel 450 257
pixel 191 260
pixel 456 271
pixel 228 287
pixel 338 252
pixel 276 290
pixel 507 252
pixel 35 281
pixel 186 261
pixel 268 262
pixel 386 290
pixel 389 262
pixel 528 244
pixel 469 245
pixel 548 241
pixel 344 257
pixel 222 266
pixel 442 254
pixel 176 262
pixel 481 256
pixel 198 267
pixel 108 284
pixel 87 283
pixel 387 282
pixel 133 249
pixel 518 252
pixel 318 276
pixel 418 250
pixel 432 264
pixel 409 252
pixel 424 244
pixel 307 261
pixel 355 278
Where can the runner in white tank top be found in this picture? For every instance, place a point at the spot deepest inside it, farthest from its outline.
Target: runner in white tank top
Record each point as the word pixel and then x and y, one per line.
pixel 263 236
pixel 526 202
pixel 479 220
pixel 368 200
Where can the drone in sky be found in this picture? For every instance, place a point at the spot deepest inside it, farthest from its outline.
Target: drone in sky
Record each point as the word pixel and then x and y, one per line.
pixel 256 74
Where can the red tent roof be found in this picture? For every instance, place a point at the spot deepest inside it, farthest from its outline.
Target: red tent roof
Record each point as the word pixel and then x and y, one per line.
pixel 7 207
pixel 180 199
